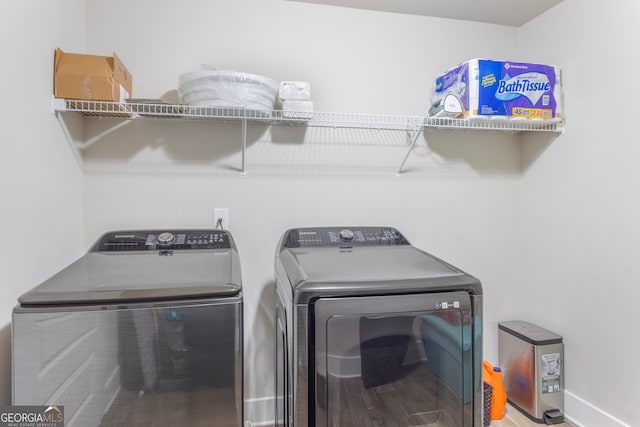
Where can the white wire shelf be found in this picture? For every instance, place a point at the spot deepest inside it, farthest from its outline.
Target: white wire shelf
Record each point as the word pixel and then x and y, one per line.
pixel 315 119
pixel 411 124
pixel 497 124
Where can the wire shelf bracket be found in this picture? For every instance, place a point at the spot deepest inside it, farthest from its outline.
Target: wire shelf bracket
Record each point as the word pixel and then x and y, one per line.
pixel 411 124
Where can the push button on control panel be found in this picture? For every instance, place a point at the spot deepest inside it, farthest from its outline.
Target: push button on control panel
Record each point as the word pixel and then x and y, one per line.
pixel 202 240
pixel 346 235
pixel 165 238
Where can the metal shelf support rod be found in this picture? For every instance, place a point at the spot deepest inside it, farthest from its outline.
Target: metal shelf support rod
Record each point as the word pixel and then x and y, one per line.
pixel 243 173
pixel 74 147
pixel 413 142
pixel 89 142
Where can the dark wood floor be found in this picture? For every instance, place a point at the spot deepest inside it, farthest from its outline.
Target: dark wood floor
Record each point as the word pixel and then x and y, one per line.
pixel 389 405
pixel 512 418
pixel 417 398
pixel 199 408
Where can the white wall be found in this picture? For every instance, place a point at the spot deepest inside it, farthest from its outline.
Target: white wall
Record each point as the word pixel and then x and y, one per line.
pixel 532 219
pixel 459 198
pixel 40 181
pixel 580 207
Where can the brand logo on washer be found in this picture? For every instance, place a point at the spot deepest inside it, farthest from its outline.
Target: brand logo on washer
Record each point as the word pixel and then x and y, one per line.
pixel 124 236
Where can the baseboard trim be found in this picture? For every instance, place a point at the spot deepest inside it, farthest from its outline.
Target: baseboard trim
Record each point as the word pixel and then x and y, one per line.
pixel 585 414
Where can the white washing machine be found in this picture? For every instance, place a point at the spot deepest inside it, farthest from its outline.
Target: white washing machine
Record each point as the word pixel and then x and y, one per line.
pixel 372 331
pixel 145 329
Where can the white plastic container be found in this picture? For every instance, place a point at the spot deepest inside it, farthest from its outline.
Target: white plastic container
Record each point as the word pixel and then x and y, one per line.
pixel 294 91
pixel 226 88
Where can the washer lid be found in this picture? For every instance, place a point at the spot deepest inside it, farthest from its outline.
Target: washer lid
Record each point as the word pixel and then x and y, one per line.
pixel 369 264
pixel 158 271
pixel 368 268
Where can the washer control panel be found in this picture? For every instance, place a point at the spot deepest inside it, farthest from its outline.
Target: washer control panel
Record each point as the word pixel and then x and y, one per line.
pixel 343 237
pixel 159 240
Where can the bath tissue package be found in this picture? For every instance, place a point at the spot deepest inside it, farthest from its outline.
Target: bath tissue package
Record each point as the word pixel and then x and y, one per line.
pixel 503 89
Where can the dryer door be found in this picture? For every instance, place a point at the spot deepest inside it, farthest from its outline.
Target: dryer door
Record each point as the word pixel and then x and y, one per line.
pixel 400 360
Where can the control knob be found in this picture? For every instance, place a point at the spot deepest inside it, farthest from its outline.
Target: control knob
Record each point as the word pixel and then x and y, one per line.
pixel 165 239
pixel 346 235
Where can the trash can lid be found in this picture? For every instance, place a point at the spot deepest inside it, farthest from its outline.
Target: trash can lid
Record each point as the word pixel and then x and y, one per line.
pixel 530 333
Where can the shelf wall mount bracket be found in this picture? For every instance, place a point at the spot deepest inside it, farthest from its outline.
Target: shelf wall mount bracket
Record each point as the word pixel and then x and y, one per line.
pixel 243 171
pixel 58 107
pixel 416 135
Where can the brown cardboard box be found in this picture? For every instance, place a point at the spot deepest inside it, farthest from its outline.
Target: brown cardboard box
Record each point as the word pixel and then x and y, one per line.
pixel 90 77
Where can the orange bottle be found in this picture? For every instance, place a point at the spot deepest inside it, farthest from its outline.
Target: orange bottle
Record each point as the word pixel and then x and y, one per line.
pixel 493 376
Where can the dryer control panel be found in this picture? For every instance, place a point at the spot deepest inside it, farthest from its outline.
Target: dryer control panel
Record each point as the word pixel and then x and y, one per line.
pixel 343 237
pixel 158 240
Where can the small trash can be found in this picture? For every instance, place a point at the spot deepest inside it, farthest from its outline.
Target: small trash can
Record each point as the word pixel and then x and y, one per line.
pixel 532 360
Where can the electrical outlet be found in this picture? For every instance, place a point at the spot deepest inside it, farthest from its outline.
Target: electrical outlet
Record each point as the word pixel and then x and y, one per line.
pixel 221 218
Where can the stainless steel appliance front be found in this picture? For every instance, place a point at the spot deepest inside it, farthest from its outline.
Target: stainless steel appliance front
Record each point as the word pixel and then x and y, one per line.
pixel 372 331
pixel 145 329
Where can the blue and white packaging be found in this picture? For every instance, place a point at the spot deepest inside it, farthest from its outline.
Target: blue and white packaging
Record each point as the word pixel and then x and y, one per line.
pixel 503 89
